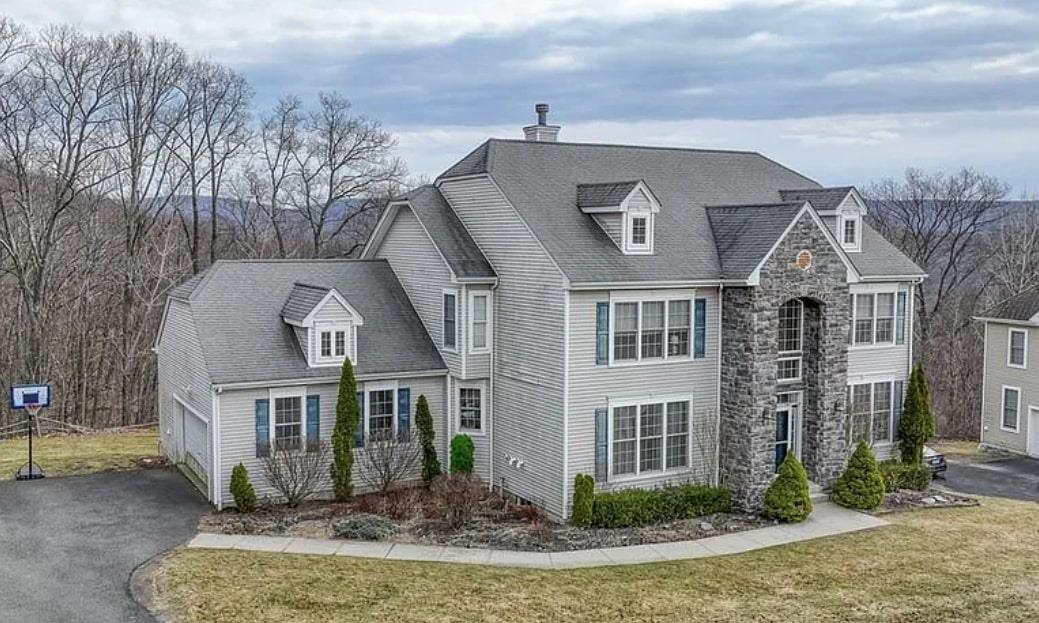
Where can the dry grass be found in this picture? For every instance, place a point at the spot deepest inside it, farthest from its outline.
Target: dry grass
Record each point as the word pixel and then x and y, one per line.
pixel 965 450
pixel 975 564
pixel 79 454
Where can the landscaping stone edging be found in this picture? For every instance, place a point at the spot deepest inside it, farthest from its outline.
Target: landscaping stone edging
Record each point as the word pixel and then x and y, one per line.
pixel 827 520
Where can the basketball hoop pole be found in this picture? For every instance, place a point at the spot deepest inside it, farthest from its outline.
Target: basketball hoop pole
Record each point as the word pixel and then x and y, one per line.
pixel 32 410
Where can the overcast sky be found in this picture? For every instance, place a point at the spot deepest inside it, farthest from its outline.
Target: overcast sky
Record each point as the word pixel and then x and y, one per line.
pixel 846 91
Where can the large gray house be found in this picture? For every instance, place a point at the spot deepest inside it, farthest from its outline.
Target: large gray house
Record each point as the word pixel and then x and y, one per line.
pixel 645 315
pixel 1010 389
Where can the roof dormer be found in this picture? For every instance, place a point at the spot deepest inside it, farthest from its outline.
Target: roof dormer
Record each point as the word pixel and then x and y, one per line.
pixel 626 211
pixel 843 202
pixel 324 322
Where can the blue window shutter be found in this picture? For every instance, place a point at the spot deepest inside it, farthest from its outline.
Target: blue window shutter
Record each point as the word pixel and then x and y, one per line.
pixel 404 411
pixel 359 430
pixel 601 444
pixel 263 427
pixel 700 329
pixel 313 419
pixel 602 333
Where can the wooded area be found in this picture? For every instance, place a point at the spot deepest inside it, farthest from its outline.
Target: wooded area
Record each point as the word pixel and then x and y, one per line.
pixel 127 164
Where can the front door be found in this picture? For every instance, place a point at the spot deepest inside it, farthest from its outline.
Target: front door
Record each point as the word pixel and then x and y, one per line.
pixel 788 426
pixel 1033 432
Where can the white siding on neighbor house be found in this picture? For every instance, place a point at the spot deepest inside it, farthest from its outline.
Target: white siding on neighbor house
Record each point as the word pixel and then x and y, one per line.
pixel 237 410
pixel 999 374
pixel 527 393
pixel 181 371
pixel 595 386
pixel 424 275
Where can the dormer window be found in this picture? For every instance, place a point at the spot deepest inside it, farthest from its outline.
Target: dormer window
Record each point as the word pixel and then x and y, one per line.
pixel 324 322
pixel 851 232
pixel 626 211
pixel 332 343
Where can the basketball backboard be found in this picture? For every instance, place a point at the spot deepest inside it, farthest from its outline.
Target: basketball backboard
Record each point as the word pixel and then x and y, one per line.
pixel 30 394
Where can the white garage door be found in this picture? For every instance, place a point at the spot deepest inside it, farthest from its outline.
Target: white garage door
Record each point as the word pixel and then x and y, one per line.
pixel 196 444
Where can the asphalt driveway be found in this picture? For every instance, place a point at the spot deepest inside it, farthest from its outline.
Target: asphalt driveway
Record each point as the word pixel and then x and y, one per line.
pixel 1016 478
pixel 68 545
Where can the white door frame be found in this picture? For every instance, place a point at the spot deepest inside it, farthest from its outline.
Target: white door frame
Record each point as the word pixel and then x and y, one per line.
pixel 795 421
pixel 1032 449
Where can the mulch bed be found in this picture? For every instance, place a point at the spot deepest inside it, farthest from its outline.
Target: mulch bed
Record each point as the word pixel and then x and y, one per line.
pixel 418 519
pixel 906 500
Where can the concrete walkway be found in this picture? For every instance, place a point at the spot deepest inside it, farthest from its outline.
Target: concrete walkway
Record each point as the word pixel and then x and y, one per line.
pixel 827 520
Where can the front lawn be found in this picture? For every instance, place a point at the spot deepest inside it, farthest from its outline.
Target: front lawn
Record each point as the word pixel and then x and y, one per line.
pixel 78 454
pixel 966 451
pixel 970 564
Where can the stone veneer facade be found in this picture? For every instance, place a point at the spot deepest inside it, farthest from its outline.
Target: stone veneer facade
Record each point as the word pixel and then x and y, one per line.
pixel 750 319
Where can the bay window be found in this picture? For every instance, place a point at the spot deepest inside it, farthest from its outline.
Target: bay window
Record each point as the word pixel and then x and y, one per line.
pixel 649 437
pixel 479 325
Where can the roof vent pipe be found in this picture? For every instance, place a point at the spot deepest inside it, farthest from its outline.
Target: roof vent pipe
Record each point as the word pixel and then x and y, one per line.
pixel 542 132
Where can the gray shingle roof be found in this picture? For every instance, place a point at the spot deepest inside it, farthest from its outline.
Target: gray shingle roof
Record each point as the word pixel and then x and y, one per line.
pixel 745 234
pixel 184 290
pixel 302 300
pixel 238 313
pixel 1020 307
pixel 878 257
pixel 822 199
pixel 449 235
pixel 603 194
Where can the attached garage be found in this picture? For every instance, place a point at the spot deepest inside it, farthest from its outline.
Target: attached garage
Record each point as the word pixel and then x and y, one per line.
pixel 194 451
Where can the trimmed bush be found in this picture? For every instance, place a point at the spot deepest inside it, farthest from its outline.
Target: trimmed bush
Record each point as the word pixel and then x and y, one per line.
pixel 424 421
pixel 860 486
pixel 462 451
pixel 241 490
pixel 342 468
pixel 916 425
pixel 364 527
pixel 898 475
pixel 459 495
pixel 584 499
pixel 787 498
pixel 641 507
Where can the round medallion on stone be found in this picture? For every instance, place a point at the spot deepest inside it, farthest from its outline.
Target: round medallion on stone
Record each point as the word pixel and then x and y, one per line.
pixel 804 259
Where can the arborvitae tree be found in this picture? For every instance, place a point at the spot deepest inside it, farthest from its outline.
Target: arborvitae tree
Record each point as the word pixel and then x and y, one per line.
pixel 343 434
pixel 242 492
pixel 462 451
pixel 584 496
pixel 788 498
pixel 916 425
pixel 861 486
pixel 424 421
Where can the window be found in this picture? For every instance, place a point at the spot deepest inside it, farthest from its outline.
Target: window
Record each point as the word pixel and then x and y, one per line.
pixel 873 411
pixel 639 236
pixel 340 343
pixel 331 343
pixel 851 232
pixel 1017 348
pixel 450 327
pixel 380 413
pixel 650 437
pixel 678 329
pixel 640 330
pixel 653 330
pixel 470 410
pixel 480 325
pixel 638 231
pixel 288 422
pixel 1011 408
pixel 791 323
pixel 878 318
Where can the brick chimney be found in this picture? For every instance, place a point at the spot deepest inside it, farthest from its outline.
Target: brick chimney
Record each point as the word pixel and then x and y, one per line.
pixel 541 132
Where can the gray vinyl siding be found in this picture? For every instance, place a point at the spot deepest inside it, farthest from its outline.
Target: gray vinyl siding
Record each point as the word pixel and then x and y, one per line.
pixel 182 371
pixel 481 443
pixel 613 225
pixel 424 275
pixel 477 365
pixel 998 374
pixel 596 386
pixel 237 409
pixel 868 362
pixel 527 392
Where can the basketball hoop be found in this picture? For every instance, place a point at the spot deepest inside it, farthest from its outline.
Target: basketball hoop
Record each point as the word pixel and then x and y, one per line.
pixel 33 409
pixel 31 399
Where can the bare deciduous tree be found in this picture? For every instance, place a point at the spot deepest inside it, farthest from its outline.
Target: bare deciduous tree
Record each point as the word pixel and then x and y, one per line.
pixel 389 459
pixel 1013 252
pixel 298 473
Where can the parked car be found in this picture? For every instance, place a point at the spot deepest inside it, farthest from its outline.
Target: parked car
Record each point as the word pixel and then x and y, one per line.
pixel 934 460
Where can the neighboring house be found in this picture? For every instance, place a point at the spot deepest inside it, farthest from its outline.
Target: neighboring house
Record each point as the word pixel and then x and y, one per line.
pixel 1010 386
pixel 645 315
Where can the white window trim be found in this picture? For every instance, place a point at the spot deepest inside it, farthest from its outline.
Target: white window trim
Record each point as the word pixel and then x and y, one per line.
pixel 872 382
pixel 443 342
pixel 857 244
pixel 894 326
pixel 473 294
pixel 323 327
pixel 374 387
pixel 638 249
pixel 638 360
pixel 791 355
pixel 483 409
pixel 800 370
pixel 1010 342
pixel 287 392
pixel 1003 409
pixel 639 475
